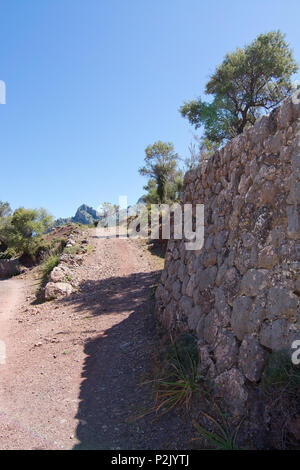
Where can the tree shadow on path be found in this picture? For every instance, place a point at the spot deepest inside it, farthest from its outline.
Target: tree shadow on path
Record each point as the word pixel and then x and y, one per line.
pixel 111 394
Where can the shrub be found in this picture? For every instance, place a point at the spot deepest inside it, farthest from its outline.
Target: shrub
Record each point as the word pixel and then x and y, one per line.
pixel 178 378
pixel 184 351
pixel 22 232
pixel 280 374
pixel 73 250
pixel 8 254
pixel 223 436
pixel 281 386
pixel 50 263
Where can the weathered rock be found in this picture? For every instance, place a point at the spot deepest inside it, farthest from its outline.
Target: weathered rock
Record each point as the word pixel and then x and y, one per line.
pixel 244 261
pixel 281 303
pixel 256 315
pixel 296 162
pixel 226 351
pixel 190 286
pixel 240 314
pixel 295 99
pixel 285 114
pixel 231 283
pixel 251 358
pixel 71 242
pixel 267 193
pixel 267 258
pixel 60 274
pixel 220 240
pixel 294 196
pixel 297 286
pixel 254 281
pixel 293 221
pixel 273 143
pixel 181 272
pixel 207 366
pixel 278 334
pixel 276 236
pixel 205 279
pixel 211 327
pixel 221 273
pixel 230 386
pixel 168 316
pixel 176 290
pixel 200 328
pixel 209 258
pixel 194 317
pixel 222 307
pixel 70 260
pixel 55 290
pixel 186 305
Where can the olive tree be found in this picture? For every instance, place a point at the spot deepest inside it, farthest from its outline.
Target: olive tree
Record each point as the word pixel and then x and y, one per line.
pixel 250 80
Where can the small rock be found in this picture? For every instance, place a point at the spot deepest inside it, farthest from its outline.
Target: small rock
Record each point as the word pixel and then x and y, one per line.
pixel 230 386
pixel 55 290
pixel 251 358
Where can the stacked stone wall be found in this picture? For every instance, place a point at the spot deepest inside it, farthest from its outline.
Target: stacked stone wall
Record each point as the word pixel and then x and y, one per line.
pixel 239 295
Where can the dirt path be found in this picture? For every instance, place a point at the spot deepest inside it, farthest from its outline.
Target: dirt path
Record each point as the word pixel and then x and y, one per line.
pixel 73 379
pixel 12 296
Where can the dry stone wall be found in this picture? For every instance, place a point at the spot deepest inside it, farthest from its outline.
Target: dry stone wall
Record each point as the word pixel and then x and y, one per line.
pixel 240 294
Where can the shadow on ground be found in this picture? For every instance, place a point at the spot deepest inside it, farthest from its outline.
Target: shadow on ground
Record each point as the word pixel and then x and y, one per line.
pixel 114 294
pixel 111 394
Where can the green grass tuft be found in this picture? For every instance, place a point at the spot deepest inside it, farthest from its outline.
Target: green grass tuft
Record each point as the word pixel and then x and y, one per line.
pixel 50 263
pixel 280 374
pixel 221 438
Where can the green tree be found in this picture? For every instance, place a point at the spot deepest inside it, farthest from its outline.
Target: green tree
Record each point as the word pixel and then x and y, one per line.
pixel 161 168
pixel 151 197
pixel 24 229
pixel 248 81
pixel 5 209
pixel 5 212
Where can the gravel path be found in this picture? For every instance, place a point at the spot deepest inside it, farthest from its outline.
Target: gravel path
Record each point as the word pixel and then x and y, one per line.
pixel 75 366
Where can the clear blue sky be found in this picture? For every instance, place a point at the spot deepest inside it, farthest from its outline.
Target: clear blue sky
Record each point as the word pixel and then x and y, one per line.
pixel 90 83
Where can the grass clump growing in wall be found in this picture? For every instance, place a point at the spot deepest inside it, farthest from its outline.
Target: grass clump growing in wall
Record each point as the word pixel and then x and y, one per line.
pixel 178 377
pixel 219 432
pixel 281 388
pixel 280 374
pixel 73 250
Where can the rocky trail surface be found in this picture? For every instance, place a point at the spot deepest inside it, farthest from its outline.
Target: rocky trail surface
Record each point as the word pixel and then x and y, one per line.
pixel 74 367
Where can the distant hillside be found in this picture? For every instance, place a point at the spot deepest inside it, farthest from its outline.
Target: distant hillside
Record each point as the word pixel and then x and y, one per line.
pixel 84 215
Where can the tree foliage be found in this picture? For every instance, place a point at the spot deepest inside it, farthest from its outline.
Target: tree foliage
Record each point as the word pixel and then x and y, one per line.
pixel 161 166
pixel 5 209
pixel 22 230
pixel 248 81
